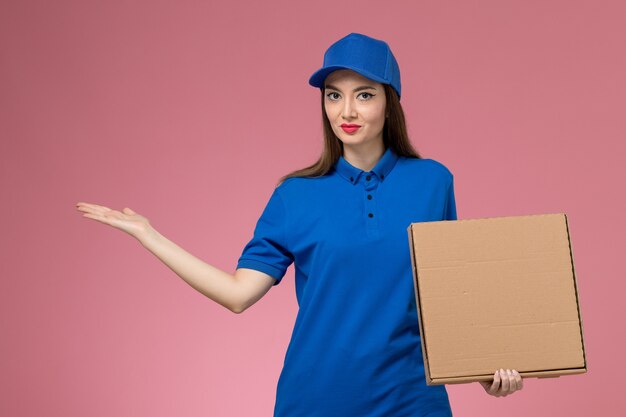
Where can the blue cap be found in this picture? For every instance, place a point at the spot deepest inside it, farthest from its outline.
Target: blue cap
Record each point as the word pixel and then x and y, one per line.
pixel 372 58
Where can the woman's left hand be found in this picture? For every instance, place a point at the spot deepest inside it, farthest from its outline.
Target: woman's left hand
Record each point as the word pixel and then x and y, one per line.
pixel 504 382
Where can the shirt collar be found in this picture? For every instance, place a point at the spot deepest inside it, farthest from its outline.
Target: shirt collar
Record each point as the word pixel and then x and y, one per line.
pixel 382 169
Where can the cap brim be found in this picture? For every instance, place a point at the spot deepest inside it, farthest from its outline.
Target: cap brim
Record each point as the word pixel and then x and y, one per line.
pixel 318 77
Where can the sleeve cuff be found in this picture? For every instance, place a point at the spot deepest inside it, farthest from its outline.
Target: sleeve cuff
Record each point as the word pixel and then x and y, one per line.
pixel 271 270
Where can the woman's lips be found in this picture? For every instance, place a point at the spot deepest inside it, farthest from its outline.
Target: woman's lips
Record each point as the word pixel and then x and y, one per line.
pixel 350 128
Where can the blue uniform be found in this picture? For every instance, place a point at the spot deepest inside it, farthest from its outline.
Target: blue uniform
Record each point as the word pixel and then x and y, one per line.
pixel 355 348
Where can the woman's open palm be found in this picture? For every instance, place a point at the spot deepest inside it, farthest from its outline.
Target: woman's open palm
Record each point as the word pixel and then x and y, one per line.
pixel 127 220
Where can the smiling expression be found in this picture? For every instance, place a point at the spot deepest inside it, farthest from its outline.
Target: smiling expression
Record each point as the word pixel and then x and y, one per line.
pixel 357 103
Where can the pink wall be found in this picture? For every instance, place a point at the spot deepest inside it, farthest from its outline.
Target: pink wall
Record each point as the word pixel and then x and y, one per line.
pixel 188 112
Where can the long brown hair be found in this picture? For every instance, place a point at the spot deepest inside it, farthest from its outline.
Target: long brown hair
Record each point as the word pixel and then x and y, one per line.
pixel 395 136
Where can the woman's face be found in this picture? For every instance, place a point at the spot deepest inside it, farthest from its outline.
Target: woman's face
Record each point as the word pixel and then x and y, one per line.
pixel 352 99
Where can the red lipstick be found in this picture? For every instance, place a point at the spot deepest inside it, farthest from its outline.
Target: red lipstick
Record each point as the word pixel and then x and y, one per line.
pixel 350 128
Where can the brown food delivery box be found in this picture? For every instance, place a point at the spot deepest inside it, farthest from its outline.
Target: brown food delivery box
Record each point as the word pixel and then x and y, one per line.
pixel 496 293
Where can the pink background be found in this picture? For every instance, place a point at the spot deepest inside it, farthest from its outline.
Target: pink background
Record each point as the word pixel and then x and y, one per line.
pixel 188 112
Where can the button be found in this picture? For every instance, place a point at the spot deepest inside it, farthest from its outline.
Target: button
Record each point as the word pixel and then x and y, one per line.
pixel 370 215
pixel 382 176
pixel 369 196
pixel 369 177
pixel 351 179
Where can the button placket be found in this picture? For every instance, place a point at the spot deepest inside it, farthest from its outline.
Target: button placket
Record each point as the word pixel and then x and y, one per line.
pixel 370 185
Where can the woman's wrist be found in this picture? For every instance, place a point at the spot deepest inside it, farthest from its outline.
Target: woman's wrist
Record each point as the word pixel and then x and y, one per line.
pixel 148 236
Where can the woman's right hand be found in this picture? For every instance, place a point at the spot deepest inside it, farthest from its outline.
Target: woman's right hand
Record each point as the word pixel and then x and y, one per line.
pixel 126 220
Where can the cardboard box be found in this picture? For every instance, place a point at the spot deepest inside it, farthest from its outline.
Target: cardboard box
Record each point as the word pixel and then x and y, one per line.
pixel 496 293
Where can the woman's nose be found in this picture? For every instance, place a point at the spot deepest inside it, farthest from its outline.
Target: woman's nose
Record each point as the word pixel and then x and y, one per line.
pixel 349 111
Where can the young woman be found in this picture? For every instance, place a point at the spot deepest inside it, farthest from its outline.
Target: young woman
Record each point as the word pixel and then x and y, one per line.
pixel 355 348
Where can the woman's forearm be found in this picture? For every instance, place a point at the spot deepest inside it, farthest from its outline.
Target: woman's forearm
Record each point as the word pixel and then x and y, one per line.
pixel 214 283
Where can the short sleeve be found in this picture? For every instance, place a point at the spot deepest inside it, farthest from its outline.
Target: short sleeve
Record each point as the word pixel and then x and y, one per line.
pixel 267 249
pixel 449 212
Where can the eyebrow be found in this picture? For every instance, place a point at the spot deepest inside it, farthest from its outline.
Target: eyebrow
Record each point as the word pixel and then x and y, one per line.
pixel 363 87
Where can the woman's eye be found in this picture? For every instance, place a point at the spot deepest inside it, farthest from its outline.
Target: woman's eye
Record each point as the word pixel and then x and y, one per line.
pixel 333 96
